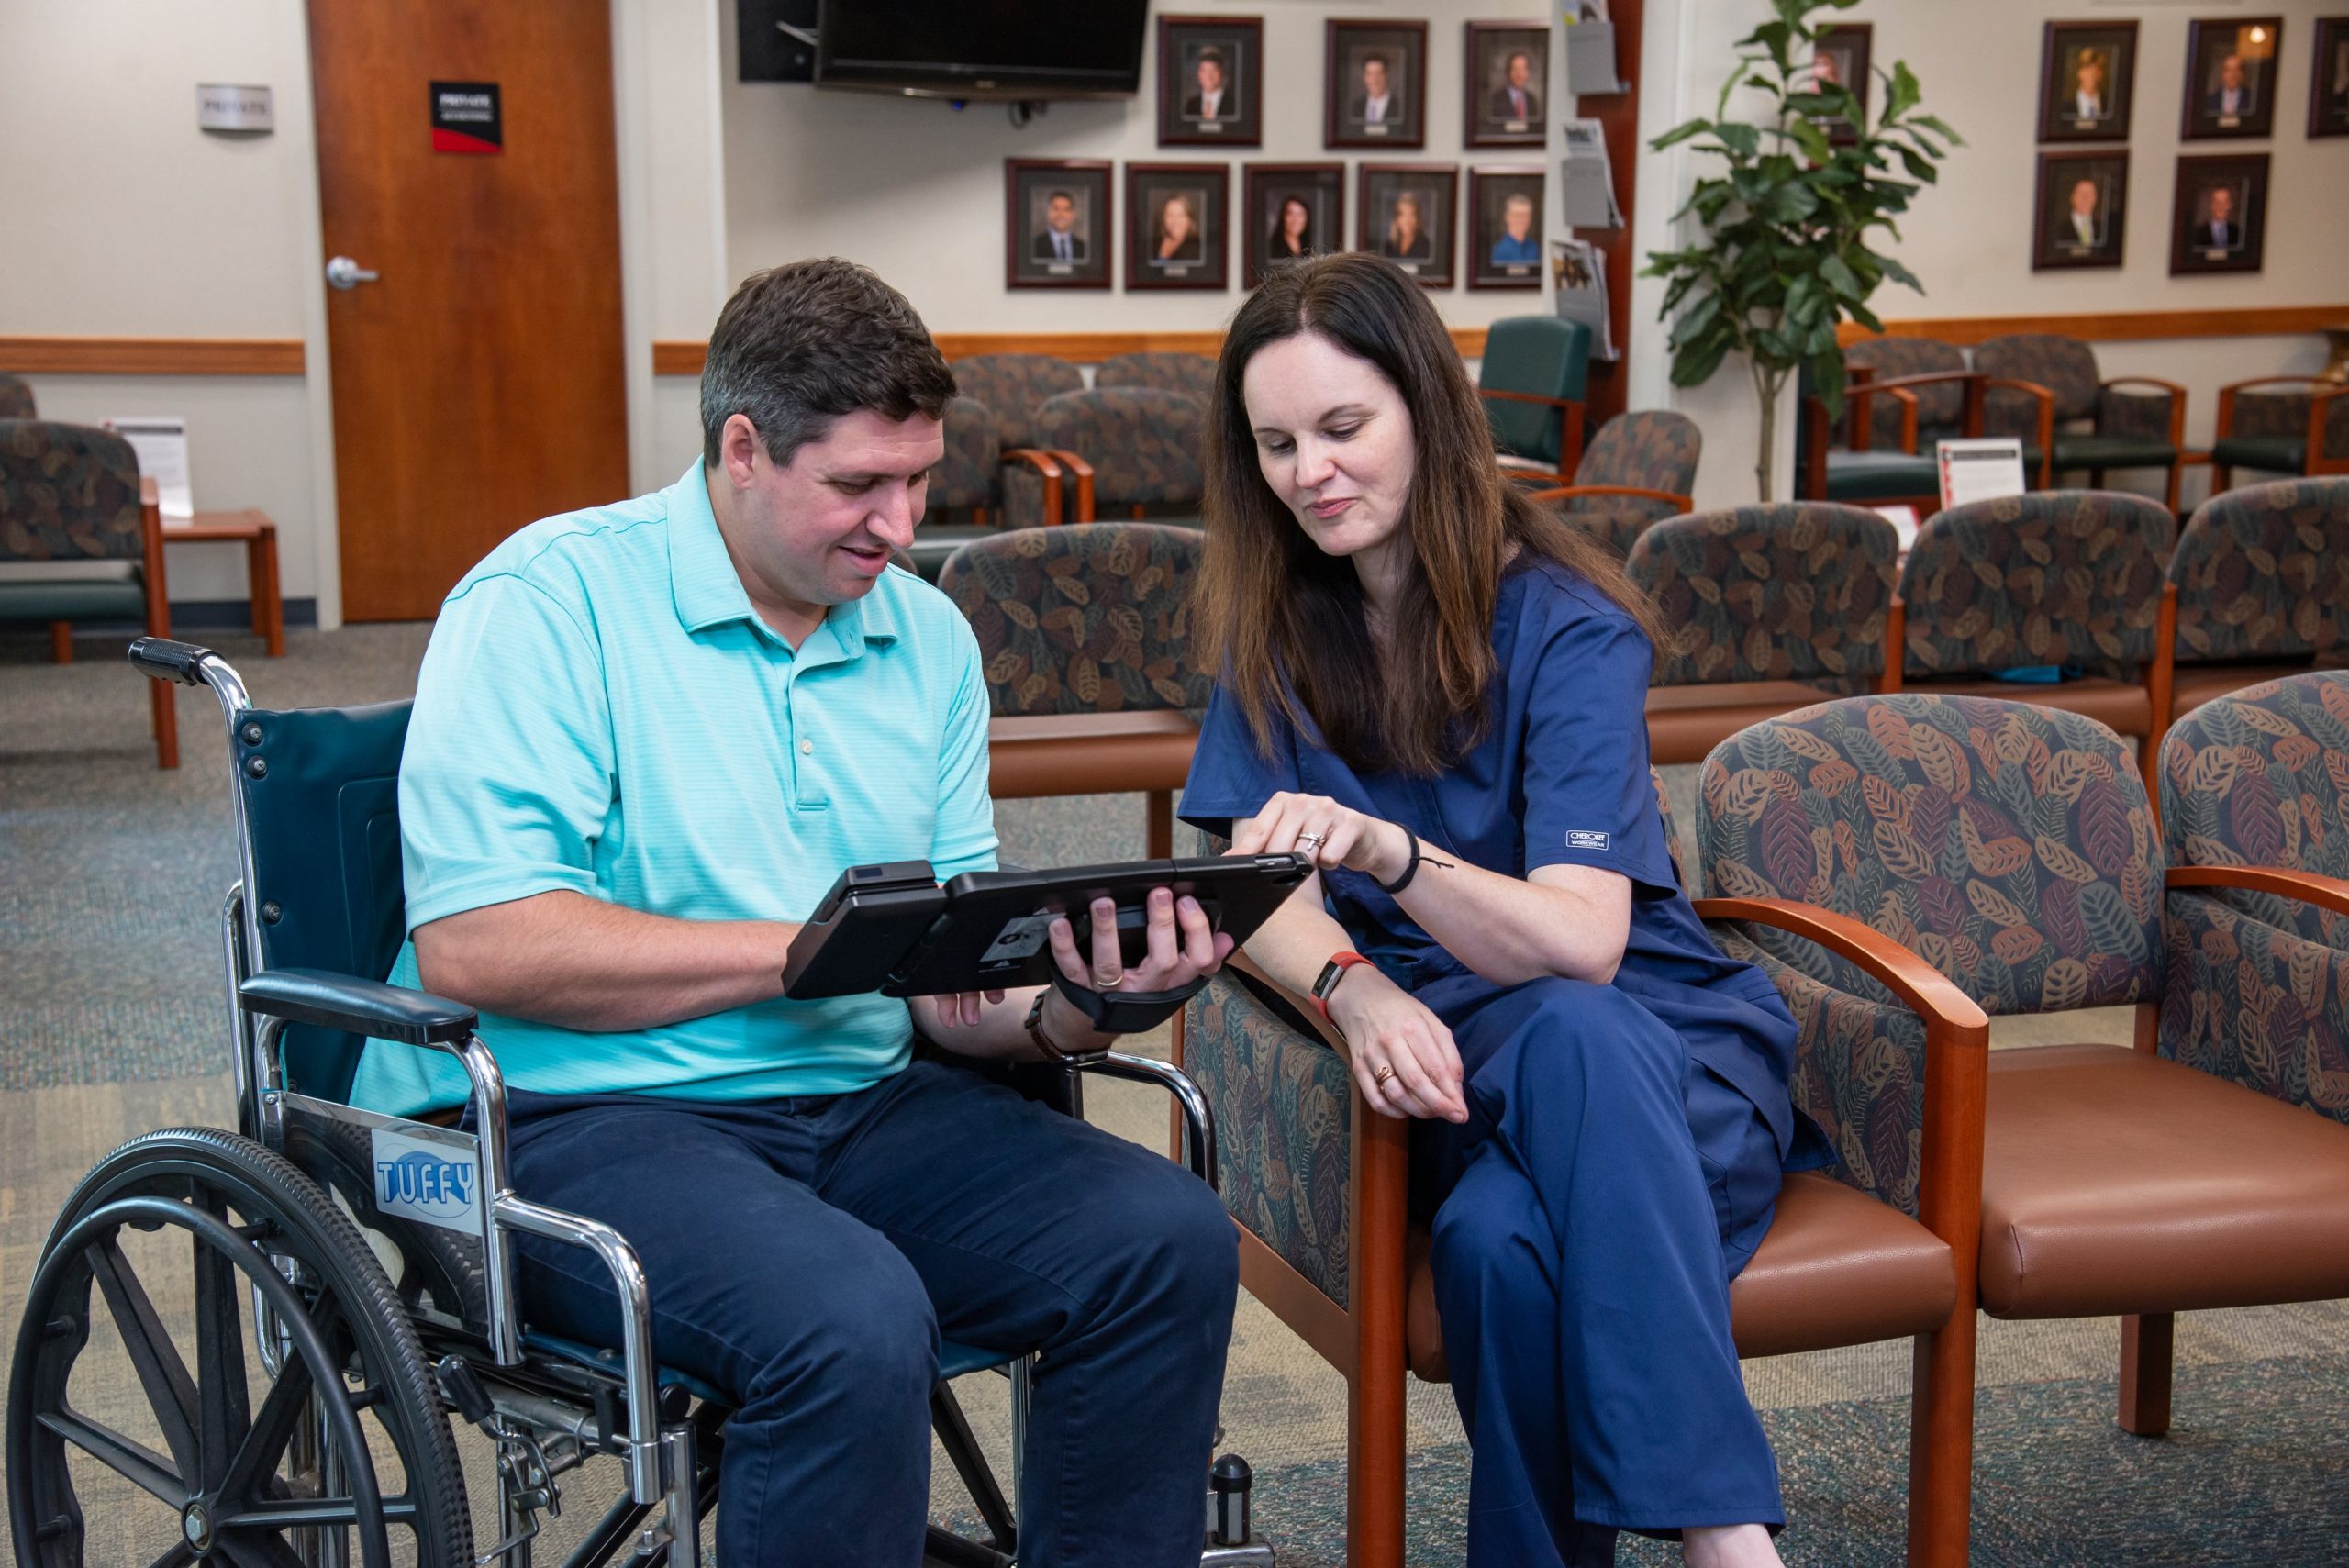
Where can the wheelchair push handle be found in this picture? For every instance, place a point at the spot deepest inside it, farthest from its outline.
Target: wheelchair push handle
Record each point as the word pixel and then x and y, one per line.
pixel 164 659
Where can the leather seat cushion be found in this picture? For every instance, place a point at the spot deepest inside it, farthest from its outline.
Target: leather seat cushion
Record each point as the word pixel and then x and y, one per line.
pixel 2111 451
pixel 1874 475
pixel 2115 1182
pixel 2122 706
pixel 1837 1268
pixel 2197 683
pixel 1684 723
pixel 2267 454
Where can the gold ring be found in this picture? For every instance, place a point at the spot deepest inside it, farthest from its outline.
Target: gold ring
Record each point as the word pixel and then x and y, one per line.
pixel 1382 1076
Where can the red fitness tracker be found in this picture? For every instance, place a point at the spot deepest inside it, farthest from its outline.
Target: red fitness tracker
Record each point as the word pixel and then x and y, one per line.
pixel 1332 972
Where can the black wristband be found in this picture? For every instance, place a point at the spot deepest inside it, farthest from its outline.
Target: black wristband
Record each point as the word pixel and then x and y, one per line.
pixel 1410 871
pixel 1126 1012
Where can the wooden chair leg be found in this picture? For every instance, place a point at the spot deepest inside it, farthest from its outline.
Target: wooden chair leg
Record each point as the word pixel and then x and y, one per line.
pixel 2176 474
pixel 60 642
pixel 1161 824
pixel 1375 1467
pixel 167 724
pixel 2147 1342
pixel 1941 1444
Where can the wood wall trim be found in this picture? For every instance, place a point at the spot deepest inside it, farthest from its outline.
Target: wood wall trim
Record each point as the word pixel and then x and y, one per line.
pixel 2132 326
pixel 151 356
pixel 681 357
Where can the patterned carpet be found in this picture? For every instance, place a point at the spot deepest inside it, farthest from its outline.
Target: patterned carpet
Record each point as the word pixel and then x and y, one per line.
pixel 111 1024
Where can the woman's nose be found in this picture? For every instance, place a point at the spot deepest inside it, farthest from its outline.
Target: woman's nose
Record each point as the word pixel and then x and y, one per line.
pixel 1313 466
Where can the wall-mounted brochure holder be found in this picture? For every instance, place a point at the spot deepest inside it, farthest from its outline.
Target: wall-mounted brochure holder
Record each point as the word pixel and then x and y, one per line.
pixel 1590 59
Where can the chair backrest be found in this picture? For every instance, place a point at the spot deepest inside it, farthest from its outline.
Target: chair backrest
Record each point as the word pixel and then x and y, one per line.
pixel 1616 522
pixel 2059 577
pixel 1191 373
pixel 1794 591
pixel 2261 778
pixel 1941 408
pixel 1539 354
pixel 16 398
pixel 323 810
pixel 1145 444
pixel 1653 448
pixel 1088 617
pixel 1015 386
pixel 2011 846
pixel 967 475
pixel 2065 366
pixel 67 492
pixel 2264 573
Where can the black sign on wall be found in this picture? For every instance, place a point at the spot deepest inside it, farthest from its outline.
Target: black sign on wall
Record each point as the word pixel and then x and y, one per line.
pixel 467 117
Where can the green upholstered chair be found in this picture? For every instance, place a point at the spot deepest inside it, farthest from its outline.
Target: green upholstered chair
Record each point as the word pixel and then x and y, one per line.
pixel 2265 427
pixel 2262 579
pixel 16 398
pixel 1866 471
pixel 1640 469
pixel 1135 449
pixel 2101 424
pixel 81 538
pixel 1191 373
pixel 973 490
pixel 1533 378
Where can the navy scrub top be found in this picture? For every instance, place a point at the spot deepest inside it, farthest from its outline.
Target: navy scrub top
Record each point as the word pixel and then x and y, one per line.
pixel 1561 778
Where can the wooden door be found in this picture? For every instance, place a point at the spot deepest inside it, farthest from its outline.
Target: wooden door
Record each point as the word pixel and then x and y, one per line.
pixel 477 378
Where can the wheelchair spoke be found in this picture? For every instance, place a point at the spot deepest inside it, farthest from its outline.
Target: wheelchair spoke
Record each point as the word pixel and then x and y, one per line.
pixel 287 1513
pixel 264 1444
pixel 257 1551
pixel 179 1554
pixel 132 1460
pixel 224 1408
pixel 161 1374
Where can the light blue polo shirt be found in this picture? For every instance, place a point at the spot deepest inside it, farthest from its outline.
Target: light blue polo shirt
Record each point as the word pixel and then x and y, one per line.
pixel 602 712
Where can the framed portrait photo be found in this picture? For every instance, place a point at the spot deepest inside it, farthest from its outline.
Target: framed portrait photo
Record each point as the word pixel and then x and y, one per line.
pixel 1211 81
pixel 1178 217
pixel 2219 221
pixel 1505 226
pixel 2329 88
pixel 1509 76
pixel 1405 213
pixel 1288 211
pixel 1374 84
pixel 2082 210
pixel 1844 60
pixel 1057 223
pixel 2231 77
pixel 2086 76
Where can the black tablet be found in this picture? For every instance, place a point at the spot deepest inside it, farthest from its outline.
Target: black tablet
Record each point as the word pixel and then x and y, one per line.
pixel 891 929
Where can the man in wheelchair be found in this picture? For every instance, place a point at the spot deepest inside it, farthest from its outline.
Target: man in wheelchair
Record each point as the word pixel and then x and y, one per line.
pixel 646 737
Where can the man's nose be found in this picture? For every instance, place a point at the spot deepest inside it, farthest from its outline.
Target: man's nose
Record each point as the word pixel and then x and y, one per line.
pixel 893 521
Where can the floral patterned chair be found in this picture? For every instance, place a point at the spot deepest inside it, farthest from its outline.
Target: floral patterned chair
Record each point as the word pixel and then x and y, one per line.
pixel 2131 421
pixel 1638 469
pixel 2261 576
pixel 1015 386
pixel 1133 446
pixel 1090 672
pixel 2064 588
pixel 1317 1185
pixel 2304 430
pixel 16 398
pixel 970 490
pixel 1192 374
pixel 81 538
pixel 1772 609
pixel 2012 848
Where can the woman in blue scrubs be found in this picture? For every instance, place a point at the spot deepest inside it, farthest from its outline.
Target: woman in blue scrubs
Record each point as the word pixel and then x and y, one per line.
pixel 1436 690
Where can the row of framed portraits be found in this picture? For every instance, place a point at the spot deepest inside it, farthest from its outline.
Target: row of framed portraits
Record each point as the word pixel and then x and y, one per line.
pixel 2087 78
pixel 2218 213
pixel 1061 230
pixel 1373 82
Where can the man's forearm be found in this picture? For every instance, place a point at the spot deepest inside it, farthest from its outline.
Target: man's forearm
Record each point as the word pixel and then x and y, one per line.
pixel 578 963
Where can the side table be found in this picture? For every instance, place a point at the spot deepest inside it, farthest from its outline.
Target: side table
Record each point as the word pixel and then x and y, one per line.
pixel 252 527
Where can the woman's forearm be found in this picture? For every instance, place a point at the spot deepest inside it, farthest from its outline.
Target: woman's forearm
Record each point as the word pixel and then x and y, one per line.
pixel 1292 944
pixel 1511 930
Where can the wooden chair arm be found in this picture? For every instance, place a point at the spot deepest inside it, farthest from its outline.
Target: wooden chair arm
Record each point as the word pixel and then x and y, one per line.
pixel 1510 470
pixel 2302 886
pixel 1633 492
pixel 1923 989
pixel 151 549
pixel 2045 398
pixel 1077 467
pixel 1046 465
pixel 1323 1031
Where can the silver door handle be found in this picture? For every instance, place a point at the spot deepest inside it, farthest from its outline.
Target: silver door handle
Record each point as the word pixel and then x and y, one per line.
pixel 343 273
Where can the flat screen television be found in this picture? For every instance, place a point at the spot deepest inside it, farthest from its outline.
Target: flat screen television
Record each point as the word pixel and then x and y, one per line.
pixel 983 48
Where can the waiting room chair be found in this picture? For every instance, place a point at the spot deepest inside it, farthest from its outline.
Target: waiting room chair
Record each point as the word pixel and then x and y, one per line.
pixel 1532 379
pixel 1193 374
pixel 81 538
pixel 1638 469
pixel 2303 431
pixel 1772 609
pixel 1090 671
pixel 1867 473
pixel 1940 404
pixel 970 483
pixel 2262 579
pixel 1136 448
pixel 1015 386
pixel 2133 422
pixel 2063 583
pixel 1317 1183
pixel 2012 847
pixel 16 398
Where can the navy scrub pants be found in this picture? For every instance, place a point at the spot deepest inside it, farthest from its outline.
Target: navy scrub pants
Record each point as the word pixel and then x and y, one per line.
pixel 1581 1272
pixel 807 1255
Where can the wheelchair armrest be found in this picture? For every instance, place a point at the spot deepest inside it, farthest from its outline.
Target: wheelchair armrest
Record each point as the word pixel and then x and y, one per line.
pixel 1199 1120
pixel 362 1007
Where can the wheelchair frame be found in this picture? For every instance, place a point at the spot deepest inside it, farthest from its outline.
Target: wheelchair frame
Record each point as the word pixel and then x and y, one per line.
pixel 548 1413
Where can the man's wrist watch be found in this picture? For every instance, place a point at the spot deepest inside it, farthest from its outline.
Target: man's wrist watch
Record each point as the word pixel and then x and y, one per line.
pixel 1332 972
pixel 1043 1042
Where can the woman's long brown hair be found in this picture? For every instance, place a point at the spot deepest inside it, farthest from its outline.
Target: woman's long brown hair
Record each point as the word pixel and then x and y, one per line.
pixel 1274 605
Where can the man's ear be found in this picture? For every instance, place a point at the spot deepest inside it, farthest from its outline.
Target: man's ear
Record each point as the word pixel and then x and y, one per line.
pixel 740 451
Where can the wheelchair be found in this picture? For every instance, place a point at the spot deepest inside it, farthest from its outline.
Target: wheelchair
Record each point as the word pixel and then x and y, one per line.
pixel 376 1255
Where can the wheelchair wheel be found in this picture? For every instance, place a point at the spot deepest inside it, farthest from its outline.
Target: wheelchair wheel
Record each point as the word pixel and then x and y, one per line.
pixel 345 1456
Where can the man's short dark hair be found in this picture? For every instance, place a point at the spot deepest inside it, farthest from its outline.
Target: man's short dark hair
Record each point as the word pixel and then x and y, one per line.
pixel 1060 196
pixel 802 344
pixel 1209 52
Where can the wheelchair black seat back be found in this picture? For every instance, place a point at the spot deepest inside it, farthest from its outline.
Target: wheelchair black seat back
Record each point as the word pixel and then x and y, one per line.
pixel 353 1274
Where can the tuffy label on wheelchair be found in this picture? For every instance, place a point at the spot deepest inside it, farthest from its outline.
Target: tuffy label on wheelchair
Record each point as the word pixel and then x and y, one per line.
pixel 426 1182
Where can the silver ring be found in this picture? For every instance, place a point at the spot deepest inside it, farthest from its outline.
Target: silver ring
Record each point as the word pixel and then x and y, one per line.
pixel 1316 839
pixel 1111 984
